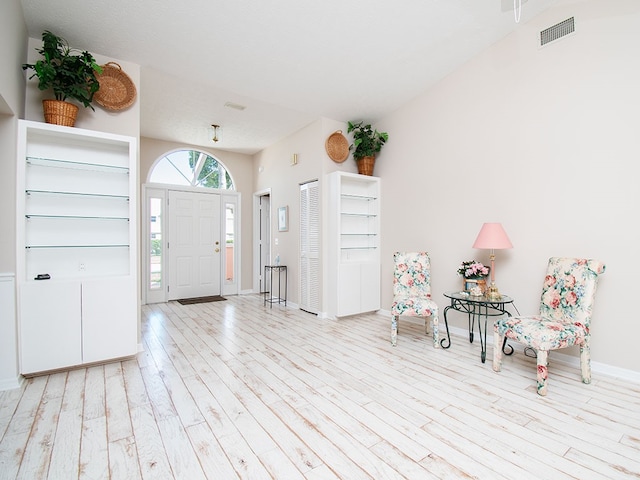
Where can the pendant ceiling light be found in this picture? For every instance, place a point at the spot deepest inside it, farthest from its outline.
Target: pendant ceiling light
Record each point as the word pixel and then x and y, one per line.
pixel 517 10
pixel 216 132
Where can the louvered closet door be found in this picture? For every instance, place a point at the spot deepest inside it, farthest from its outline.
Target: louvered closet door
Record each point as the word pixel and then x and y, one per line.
pixel 310 247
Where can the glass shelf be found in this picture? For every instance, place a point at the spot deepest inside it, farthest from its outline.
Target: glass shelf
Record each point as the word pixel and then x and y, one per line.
pixel 358 197
pixel 81 194
pixel 95 167
pixel 76 217
pixel 364 215
pixel 76 246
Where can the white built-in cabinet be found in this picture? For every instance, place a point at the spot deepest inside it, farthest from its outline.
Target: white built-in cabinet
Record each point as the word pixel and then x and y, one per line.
pixel 353 253
pixel 76 223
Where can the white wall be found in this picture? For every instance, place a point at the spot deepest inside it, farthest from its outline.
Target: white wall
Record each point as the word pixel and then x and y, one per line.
pixel 273 169
pixel 543 140
pixel 13 35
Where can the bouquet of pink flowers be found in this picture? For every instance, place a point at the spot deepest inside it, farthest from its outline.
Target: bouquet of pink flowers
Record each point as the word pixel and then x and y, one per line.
pixel 473 270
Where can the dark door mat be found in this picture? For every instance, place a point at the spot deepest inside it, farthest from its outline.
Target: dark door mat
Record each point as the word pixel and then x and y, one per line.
pixel 191 301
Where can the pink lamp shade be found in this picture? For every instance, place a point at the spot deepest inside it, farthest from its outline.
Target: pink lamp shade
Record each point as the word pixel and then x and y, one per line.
pixel 492 236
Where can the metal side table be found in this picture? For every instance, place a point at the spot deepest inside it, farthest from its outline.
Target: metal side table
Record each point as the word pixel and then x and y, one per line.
pixel 268 294
pixel 476 308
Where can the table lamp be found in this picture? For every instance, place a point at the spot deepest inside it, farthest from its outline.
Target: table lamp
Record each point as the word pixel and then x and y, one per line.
pixel 493 237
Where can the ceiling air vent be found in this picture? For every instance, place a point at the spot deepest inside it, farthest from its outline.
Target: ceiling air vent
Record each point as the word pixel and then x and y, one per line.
pixel 235 106
pixel 557 31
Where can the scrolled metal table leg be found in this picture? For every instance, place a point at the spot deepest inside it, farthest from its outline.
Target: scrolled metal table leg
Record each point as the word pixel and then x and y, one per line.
pixel 446 325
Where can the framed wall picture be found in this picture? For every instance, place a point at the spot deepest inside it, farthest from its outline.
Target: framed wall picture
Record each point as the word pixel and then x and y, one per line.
pixel 283 219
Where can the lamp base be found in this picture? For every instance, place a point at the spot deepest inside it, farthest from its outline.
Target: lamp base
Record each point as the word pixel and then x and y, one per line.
pixel 493 293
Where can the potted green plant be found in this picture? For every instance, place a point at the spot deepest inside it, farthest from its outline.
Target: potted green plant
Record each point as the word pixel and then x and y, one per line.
pixel 71 75
pixel 367 142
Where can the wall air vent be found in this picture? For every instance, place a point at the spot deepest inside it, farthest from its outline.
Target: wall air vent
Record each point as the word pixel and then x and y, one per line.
pixel 557 31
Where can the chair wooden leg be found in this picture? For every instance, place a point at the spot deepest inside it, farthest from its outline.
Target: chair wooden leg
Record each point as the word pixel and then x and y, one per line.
pixel 585 361
pixel 436 343
pixel 542 357
pixel 394 330
pixel 498 340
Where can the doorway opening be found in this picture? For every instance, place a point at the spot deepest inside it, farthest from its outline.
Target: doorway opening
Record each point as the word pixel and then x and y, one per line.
pixel 261 238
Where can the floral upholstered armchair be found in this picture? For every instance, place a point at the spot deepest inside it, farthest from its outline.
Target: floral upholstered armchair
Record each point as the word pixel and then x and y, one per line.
pixel 412 291
pixel 565 315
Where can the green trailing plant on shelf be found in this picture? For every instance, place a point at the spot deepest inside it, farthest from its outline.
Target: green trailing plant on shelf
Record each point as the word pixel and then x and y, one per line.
pixel 367 141
pixel 69 73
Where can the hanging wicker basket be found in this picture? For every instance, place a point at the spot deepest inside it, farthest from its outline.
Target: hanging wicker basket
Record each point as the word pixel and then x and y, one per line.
pixel 365 165
pixel 337 147
pixel 117 91
pixel 59 112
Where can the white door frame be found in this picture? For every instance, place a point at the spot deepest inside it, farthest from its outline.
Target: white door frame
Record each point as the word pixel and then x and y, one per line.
pixel 160 295
pixel 257 221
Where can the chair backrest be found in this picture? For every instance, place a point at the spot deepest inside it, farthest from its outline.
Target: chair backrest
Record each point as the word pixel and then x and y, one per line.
pixel 412 274
pixel 569 289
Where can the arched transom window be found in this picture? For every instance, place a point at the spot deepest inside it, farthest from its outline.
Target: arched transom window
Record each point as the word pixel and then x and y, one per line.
pixel 191 168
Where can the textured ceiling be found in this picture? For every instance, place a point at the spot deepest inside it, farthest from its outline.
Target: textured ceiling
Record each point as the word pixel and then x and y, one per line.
pixel 288 61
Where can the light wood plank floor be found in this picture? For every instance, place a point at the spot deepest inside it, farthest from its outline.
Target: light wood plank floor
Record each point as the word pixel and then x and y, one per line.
pixel 231 390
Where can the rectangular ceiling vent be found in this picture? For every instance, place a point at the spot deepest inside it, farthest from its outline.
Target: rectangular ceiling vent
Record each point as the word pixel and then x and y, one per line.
pixel 557 31
pixel 235 106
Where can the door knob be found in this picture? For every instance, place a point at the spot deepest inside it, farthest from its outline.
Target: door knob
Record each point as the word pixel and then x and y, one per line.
pixel 217 250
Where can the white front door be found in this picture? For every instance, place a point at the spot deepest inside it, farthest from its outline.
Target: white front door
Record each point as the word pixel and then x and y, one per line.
pixel 194 245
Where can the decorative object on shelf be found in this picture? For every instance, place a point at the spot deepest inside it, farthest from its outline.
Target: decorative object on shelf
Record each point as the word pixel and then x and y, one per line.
pixel 472 283
pixel 477 291
pixel 337 147
pixel 70 76
pixel 473 275
pixel 367 142
pixel 283 219
pixel 117 91
pixel 493 237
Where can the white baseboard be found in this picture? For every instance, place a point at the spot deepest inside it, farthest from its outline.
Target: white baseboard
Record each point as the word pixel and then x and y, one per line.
pixel 11 383
pixel 596 367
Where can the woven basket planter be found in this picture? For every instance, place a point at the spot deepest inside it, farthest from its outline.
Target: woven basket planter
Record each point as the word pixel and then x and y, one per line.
pixel 59 112
pixel 365 165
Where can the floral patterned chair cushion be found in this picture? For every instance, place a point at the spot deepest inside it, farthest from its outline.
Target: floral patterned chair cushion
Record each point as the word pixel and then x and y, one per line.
pixel 565 314
pixel 412 291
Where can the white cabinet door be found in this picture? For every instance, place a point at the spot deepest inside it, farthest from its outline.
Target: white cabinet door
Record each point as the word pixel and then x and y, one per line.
pixel 359 287
pixel 109 319
pixel 348 286
pixel 50 326
pixel 370 287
